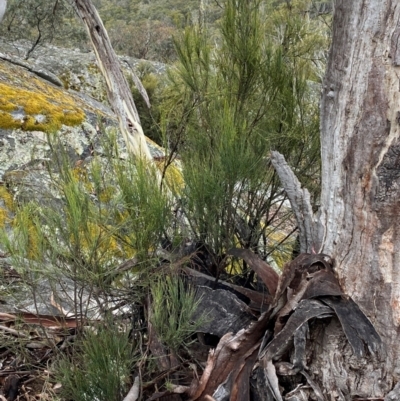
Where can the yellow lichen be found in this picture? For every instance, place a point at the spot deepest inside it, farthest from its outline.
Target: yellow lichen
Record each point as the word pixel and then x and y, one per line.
pixel 81 175
pixel 54 107
pixel 7 206
pixel 34 251
pixel 7 122
pixel 7 198
pixel 98 242
pixel 107 194
pixel 3 217
pixel 172 176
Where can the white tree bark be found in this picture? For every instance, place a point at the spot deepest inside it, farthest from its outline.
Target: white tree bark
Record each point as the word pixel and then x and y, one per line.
pixel 118 91
pixel 3 6
pixel 360 212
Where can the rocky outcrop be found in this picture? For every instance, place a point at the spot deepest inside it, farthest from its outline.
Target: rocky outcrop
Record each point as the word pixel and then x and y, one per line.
pixel 74 69
pixel 58 94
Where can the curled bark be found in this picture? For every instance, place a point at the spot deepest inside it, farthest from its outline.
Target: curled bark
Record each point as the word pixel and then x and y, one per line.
pixel 133 393
pixel 308 298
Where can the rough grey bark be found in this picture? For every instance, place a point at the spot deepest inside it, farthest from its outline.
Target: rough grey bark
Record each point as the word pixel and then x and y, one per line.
pixel 118 91
pixel 359 222
pixel 360 200
pixel 301 205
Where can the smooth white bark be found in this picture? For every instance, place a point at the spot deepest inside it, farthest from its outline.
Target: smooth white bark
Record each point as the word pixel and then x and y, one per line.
pixel 3 6
pixel 118 91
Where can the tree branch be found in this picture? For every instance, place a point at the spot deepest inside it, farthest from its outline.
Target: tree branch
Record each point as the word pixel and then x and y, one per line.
pixel 133 393
pixel 3 6
pixel 118 91
pixel 300 201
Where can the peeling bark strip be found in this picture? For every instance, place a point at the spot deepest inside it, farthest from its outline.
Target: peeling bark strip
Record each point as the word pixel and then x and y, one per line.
pixel 307 293
pixel 300 201
pixel 267 274
pixel 118 92
pixel 357 328
pixel 360 207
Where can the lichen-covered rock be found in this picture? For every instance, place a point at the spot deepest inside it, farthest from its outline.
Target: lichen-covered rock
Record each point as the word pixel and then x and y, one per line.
pixel 33 106
pixel 76 69
pixel 55 100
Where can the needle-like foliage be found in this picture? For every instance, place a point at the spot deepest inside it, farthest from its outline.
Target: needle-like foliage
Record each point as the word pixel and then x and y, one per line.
pixel 249 89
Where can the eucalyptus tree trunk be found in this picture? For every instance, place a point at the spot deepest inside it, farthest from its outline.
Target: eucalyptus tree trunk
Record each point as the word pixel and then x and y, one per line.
pixel 118 91
pixel 359 218
pixel 358 223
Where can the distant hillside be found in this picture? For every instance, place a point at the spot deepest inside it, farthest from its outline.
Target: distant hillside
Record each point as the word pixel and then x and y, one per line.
pixel 162 10
pixel 138 28
pixel 144 29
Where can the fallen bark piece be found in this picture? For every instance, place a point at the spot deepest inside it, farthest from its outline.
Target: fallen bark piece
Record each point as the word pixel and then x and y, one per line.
pixel 358 329
pixel 13 332
pixel 307 309
pixel 133 393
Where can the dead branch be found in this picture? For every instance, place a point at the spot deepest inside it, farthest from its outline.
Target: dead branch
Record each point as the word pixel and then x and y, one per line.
pixel 3 6
pixel 118 91
pixel 300 201
pixel 133 393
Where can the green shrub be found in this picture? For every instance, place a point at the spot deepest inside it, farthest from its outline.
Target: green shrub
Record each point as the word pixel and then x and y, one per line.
pixel 173 308
pixel 99 366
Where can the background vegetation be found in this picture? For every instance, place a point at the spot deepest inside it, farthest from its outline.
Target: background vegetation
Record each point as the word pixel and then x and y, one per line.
pixel 243 80
pixel 138 28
